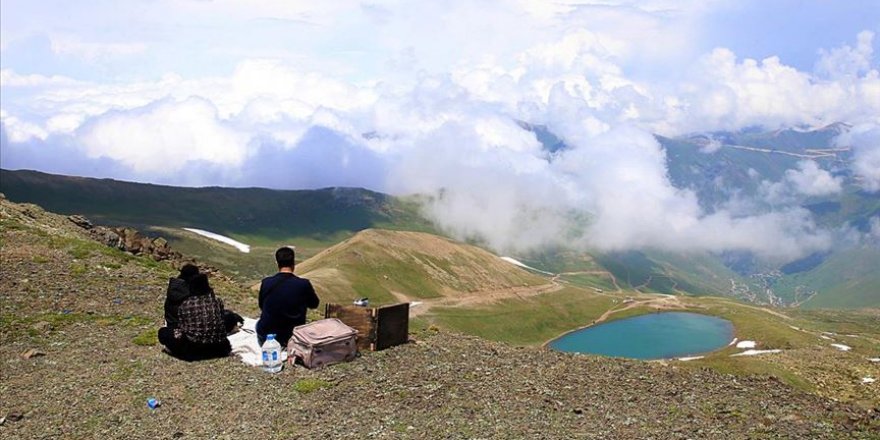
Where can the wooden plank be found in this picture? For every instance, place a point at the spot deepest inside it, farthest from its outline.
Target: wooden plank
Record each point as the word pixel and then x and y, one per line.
pixel 358 318
pixel 378 327
pixel 392 326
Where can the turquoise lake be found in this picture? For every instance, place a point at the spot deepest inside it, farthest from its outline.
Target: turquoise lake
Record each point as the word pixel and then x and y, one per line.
pixel 654 336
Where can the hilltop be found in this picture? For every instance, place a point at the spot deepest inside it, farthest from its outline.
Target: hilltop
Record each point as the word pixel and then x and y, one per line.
pixel 389 266
pixel 262 218
pixel 90 312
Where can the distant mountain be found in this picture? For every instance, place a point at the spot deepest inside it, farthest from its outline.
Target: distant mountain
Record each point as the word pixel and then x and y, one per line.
pixel 721 165
pixel 329 214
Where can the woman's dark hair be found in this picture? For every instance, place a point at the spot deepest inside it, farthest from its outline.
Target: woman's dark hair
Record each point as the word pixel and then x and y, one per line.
pixel 284 257
pixel 198 285
pixel 188 271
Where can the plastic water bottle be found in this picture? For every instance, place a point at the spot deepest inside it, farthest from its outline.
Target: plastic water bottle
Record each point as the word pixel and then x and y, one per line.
pixel 271 355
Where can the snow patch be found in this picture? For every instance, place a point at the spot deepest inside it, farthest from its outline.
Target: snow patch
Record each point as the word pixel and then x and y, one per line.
pixel 221 238
pixel 873 359
pixel 733 342
pixel 868 380
pixel 842 347
pixel 746 344
pixel 520 264
pixel 690 358
pixel 825 338
pixel 756 352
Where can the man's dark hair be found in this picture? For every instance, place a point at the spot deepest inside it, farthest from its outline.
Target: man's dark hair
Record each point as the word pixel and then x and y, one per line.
pixel 284 257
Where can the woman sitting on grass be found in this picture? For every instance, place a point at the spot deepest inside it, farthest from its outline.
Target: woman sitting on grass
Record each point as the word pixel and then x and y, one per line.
pixel 200 328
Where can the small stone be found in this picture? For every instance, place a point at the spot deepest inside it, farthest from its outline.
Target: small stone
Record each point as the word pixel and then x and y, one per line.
pixel 177 434
pixel 42 326
pixel 32 353
pixel 790 418
pixel 578 411
pixel 14 416
pixel 81 221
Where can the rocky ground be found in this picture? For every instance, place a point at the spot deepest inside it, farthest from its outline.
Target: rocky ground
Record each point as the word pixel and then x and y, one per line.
pixel 79 360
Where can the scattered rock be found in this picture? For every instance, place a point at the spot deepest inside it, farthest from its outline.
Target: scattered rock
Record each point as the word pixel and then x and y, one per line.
pixel 42 326
pixel 14 416
pixel 790 418
pixel 32 353
pixel 128 239
pixel 81 221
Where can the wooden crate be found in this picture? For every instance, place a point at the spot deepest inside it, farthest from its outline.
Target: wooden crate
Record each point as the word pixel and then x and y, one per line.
pixel 378 327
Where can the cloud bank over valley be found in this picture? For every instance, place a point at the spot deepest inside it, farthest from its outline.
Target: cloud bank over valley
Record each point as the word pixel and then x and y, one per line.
pixel 431 98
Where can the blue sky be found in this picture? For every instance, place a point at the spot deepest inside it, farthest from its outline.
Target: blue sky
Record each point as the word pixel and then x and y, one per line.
pixel 281 93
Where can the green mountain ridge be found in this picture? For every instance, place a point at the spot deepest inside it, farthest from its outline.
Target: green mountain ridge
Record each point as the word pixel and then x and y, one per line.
pixel 315 220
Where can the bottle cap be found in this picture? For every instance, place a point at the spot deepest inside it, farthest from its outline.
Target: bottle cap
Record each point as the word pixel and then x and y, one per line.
pixel 270 337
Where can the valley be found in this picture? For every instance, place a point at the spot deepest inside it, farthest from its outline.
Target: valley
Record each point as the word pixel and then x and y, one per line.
pixel 98 293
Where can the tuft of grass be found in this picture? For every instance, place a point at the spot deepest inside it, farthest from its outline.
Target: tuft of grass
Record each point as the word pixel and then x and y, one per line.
pixel 527 321
pixel 306 386
pixel 57 321
pixel 78 269
pixel 146 338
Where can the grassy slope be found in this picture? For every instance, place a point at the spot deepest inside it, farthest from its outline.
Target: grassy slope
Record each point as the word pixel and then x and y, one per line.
pixel 848 279
pixel 265 219
pixel 669 273
pixel 252 215
pixel 376 262
pixel 528 321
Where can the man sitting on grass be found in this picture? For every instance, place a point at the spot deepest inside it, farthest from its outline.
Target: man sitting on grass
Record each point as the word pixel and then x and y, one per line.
pixel 284 298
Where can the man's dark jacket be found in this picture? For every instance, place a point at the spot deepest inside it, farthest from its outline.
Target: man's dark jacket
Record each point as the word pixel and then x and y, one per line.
pixel 284 298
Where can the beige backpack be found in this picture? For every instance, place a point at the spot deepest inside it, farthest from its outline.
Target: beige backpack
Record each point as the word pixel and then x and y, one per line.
pixel 323 342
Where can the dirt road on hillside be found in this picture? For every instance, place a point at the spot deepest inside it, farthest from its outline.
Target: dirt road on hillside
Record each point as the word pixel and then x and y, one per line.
pixel 590 272
pixel 666 302
pixel 476 298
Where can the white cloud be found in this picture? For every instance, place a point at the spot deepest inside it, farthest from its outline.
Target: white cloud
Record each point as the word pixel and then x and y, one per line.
pixel 808 179
pixel 162 137
pixel 21 131
pixel 865 142
pixel 74 46
pixel 8 78
pixel 65 123
pixel 712 146
pixel 727 94
pixel 449 129
pixel 846 61
pixel 874 231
